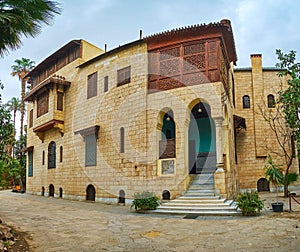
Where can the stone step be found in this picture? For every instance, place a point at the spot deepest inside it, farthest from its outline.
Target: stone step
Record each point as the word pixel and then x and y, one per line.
pixel 199 193
pixel 197 208
pixel 199 197
pixel 188 204
pixel 195 201
pixel 203 186
pixel 197 212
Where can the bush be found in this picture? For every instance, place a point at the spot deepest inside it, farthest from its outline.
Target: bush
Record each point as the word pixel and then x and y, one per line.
pixel 145 201
pixel 250 203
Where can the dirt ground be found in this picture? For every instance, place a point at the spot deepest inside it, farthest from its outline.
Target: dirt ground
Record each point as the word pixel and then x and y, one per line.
pixel 50 224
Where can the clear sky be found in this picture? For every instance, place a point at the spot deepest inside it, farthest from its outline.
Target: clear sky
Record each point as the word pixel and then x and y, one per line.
pixel 259 26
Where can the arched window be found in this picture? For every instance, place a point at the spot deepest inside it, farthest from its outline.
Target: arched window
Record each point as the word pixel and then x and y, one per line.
pixel 43 158
pixel 60 154
pixel 167 145
pixel 52 155
pixel 246 101
pixel 122 140
pixel 168 128
pixel 271 101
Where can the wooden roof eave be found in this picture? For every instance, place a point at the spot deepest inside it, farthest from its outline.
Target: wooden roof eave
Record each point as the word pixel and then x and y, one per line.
pixel 48 83
pixel 54 56
pixel 196 32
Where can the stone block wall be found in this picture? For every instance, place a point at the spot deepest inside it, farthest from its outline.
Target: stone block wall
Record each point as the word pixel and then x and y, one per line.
pixel 257 140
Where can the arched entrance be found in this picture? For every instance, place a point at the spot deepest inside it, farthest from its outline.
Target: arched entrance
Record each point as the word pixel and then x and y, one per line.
pixel 202 140
pixel 90 193
pixel 263 185
pixel 121 197
pixel 51 190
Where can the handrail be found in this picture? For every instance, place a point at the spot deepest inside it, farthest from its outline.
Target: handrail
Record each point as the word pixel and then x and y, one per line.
pixel 291 196
pixel 295 199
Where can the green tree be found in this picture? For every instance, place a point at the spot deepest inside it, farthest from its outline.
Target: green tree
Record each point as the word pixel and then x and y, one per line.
pixel 20 169
pixel 289 99
pixel 14 105
pixel 6 129
pixel 20 69
pixel 23 18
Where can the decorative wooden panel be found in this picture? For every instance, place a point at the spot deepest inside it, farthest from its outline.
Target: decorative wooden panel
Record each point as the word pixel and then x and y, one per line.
pixel 170 67
pixel 60 101
pixel 191 63
pixel 42 103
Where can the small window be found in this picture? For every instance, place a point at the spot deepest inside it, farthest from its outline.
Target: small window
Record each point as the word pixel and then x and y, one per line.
pixel 52 155
pixel 60 154
pixel 271 101
pixel 124 75
pixel 122 140
pixel 92 85
pixel 60 100
pixel 30 118
pixel 105 83
pixel 30 163
pixel 246 101
pixel 43 158
pixel 90 150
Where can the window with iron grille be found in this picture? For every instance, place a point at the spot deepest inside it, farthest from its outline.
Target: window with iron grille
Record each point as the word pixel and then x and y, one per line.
pixel 246 101
pixel 124 75
pixel 30 163
pixel 90 150
pixel 52 155
pixel 92 85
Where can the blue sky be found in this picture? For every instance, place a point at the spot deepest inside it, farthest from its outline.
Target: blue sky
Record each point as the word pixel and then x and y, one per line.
pixel 259 26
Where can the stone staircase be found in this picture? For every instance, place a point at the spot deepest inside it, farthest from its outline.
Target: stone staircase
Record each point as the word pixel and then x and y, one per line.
pixel 200 199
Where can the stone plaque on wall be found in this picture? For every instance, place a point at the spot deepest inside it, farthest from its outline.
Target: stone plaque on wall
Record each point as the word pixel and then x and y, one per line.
pixel 167 166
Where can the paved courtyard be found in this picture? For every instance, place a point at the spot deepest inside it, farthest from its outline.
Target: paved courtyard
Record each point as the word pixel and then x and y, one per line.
pixel 62 225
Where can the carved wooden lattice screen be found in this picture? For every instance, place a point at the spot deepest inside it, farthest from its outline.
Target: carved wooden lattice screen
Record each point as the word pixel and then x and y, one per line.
pixel 182 65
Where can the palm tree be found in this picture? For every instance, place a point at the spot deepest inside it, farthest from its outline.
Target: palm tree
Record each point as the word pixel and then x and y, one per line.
pixel 21 68
pixel 14 104
pixel 23 18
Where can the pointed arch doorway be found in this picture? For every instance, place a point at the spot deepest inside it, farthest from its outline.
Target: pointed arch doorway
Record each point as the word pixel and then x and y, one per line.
pixel 202 140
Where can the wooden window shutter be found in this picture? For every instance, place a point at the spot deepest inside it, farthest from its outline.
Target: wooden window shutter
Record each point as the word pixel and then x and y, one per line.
pixel 90 150
pixel 92 85
pixel 60 101
pixel 30 118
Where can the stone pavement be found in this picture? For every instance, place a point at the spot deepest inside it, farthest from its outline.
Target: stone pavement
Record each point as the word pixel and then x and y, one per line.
pixel 63 225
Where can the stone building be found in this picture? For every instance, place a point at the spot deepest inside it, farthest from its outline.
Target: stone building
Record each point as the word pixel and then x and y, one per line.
pixel 150 115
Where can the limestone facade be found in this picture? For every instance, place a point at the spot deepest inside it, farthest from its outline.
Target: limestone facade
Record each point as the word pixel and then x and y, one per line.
pixel 145 116
pixel 257 141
